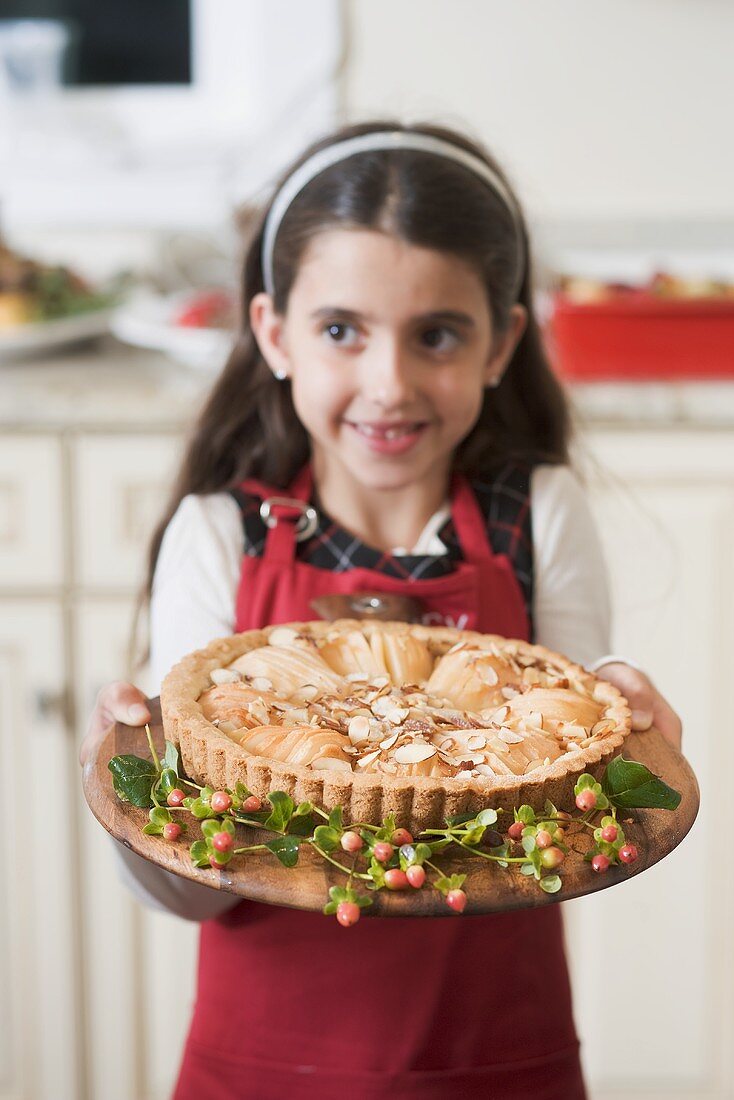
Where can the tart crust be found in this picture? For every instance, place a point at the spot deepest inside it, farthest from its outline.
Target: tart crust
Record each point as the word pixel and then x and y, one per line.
pixel 212 756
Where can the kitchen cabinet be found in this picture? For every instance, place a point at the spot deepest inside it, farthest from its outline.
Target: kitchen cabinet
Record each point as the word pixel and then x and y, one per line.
pixel 97 989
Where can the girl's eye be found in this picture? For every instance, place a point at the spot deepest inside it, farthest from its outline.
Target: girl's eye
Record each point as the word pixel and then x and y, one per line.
pixel 338 332
pixel 435 338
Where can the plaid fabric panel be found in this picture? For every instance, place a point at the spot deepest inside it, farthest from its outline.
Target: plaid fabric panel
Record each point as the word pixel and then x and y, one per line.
pixel 504 502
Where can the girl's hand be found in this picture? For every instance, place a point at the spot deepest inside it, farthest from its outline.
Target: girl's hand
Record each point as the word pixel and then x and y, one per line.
pixel 118 702
pixel 646 703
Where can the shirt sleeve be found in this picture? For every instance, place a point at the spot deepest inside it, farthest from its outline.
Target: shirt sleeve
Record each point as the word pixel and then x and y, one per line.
pixel 571 604
pixel 192 602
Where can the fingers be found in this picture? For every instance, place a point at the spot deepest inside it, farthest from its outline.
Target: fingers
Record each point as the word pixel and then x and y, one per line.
pixel 647 705
pixel 669 723
pixel 116 702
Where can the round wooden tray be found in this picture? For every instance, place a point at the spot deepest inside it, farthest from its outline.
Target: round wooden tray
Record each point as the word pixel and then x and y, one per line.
pixel 489 888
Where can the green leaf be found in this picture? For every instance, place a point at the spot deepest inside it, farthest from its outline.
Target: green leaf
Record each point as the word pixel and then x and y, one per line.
pixel 526 814
pixel 388 828
pixel 362 900
pixel 528 843
pixel 153 830
pixel 303 809
pixel 631 785
pixel 474 837
pixel 282 811
pixel 285 848
pixel 199 853
pixel 300 826
pixel 326 837
pixel 133 778
pixel 459 819
pixel 487 817
pixel 551 883
pixel 159 815
pixel 167 782
pixel 422 852
pixel 211 827
pixel 201 809
pixel 335 818
pixel 584 782
pixel 337 893
pixel 549 809
pixel 241 791
pixel 527 869
pixel 171 757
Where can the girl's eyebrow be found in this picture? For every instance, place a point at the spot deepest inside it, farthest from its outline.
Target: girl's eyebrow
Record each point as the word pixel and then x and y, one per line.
pixel 455 316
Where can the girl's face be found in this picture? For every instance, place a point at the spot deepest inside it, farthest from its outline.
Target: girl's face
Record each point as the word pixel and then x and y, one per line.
pixel 389 348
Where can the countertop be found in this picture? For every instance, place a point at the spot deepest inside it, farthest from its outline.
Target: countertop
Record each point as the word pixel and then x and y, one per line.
pixel 109 386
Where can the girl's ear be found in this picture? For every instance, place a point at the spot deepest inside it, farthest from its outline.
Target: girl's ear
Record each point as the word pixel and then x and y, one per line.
pixel 268 328
pixel 504 347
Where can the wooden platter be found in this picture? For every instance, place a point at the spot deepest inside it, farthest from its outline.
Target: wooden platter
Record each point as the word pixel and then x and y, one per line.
pixel 490 888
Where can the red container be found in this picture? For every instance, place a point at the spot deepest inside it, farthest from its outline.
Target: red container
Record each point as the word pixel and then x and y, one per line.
pixel 641 336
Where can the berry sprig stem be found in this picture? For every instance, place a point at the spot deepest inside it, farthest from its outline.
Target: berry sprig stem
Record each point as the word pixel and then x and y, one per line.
pixel 391 857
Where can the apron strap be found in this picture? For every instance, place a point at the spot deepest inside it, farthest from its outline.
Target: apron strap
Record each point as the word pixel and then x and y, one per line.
pixel 300 519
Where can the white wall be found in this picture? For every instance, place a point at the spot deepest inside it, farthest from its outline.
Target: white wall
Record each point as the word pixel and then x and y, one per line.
pixel 598 109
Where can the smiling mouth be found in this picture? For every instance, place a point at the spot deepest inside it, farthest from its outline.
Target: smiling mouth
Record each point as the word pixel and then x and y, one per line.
pixel 387 431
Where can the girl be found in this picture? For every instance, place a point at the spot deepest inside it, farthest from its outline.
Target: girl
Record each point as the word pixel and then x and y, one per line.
pixel 389 380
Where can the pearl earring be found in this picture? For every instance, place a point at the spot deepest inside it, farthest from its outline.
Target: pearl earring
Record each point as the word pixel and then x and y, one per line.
pixel 280 374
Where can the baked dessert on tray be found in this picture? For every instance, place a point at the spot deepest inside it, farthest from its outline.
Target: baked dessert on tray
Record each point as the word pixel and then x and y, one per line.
pixel 390 717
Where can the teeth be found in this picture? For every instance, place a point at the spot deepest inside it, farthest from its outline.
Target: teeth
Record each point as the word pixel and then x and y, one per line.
pixel 390 433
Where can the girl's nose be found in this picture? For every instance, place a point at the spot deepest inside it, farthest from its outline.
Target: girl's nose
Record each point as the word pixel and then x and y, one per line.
pixel 389 379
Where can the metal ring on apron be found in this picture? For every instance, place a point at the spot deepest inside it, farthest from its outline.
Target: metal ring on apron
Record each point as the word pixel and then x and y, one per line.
pixel 307 522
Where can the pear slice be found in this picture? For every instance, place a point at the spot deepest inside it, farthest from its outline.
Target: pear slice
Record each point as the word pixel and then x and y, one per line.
pixel 557 706
pixel 296 744
pixel 233 703
pixel 471 678
pixel 288 668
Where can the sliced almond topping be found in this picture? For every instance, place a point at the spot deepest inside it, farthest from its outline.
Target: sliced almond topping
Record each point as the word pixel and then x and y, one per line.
pixel 224 676
pixel 365 760
pixel 261 683
pixel 414 754
pixel 330 764
pixel 477 741
pixel 509 736
pixel 485 769
pixel 465 774
pixel 382 705
pixel 380 682
pixel 259 711
pixel 397 715
pixel 305 694
pixel 488 674
pixel 606 725
pixel 359 729
pixel 282 635
pixel 533 765
pixel 509 692
pixel 357 677
pixel 390 741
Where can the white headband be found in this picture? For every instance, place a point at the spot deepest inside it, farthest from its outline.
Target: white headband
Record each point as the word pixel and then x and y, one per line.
pixel 381 139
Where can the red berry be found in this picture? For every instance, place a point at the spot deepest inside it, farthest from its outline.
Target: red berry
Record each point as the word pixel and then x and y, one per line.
pixel 628 854
pixel 214 862
pixel 543 838
pixel 600 863
pixel 559 834
pixel 382 851
pixel 395 879
pixel 416 875
pixel 609 833
pixel 252 804
pixel 347 912
pixel 586 800
pixel 552 857
pixel 171 830
pixel 222 841
pixel 564 814
pixel 401 836
pixel 351 842
pixel 220 801
pixel 515 830
pixel 175 797
pixel 456 900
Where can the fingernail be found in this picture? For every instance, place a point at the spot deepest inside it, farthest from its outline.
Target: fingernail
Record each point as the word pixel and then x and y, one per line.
pixel 138 714
pixel 641 718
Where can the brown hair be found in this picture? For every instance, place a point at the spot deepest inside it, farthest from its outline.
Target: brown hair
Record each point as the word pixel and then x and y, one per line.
pixel 248 426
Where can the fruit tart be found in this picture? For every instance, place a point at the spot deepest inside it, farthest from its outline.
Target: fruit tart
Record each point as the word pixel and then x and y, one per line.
pixel 423 722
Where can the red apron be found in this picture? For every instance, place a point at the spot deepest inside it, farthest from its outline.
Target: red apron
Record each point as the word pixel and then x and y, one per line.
pixel 289 1003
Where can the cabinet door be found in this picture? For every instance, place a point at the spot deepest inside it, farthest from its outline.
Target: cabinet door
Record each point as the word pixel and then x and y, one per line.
pixel 31 532
pixel 139 963
pixel 651 958
pixel 40 1003
pixel 121 486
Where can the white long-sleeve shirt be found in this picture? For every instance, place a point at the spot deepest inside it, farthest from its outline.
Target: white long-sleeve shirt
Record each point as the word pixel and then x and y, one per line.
pixel 194 594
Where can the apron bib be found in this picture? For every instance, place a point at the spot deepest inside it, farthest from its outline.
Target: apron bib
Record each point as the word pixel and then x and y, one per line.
pixel 290 1003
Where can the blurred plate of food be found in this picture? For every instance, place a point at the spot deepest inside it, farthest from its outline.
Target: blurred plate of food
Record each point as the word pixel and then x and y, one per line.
pixel 194 327
pixel 45 307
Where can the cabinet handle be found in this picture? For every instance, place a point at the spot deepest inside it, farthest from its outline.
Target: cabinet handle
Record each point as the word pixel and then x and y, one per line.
pixel 54 704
